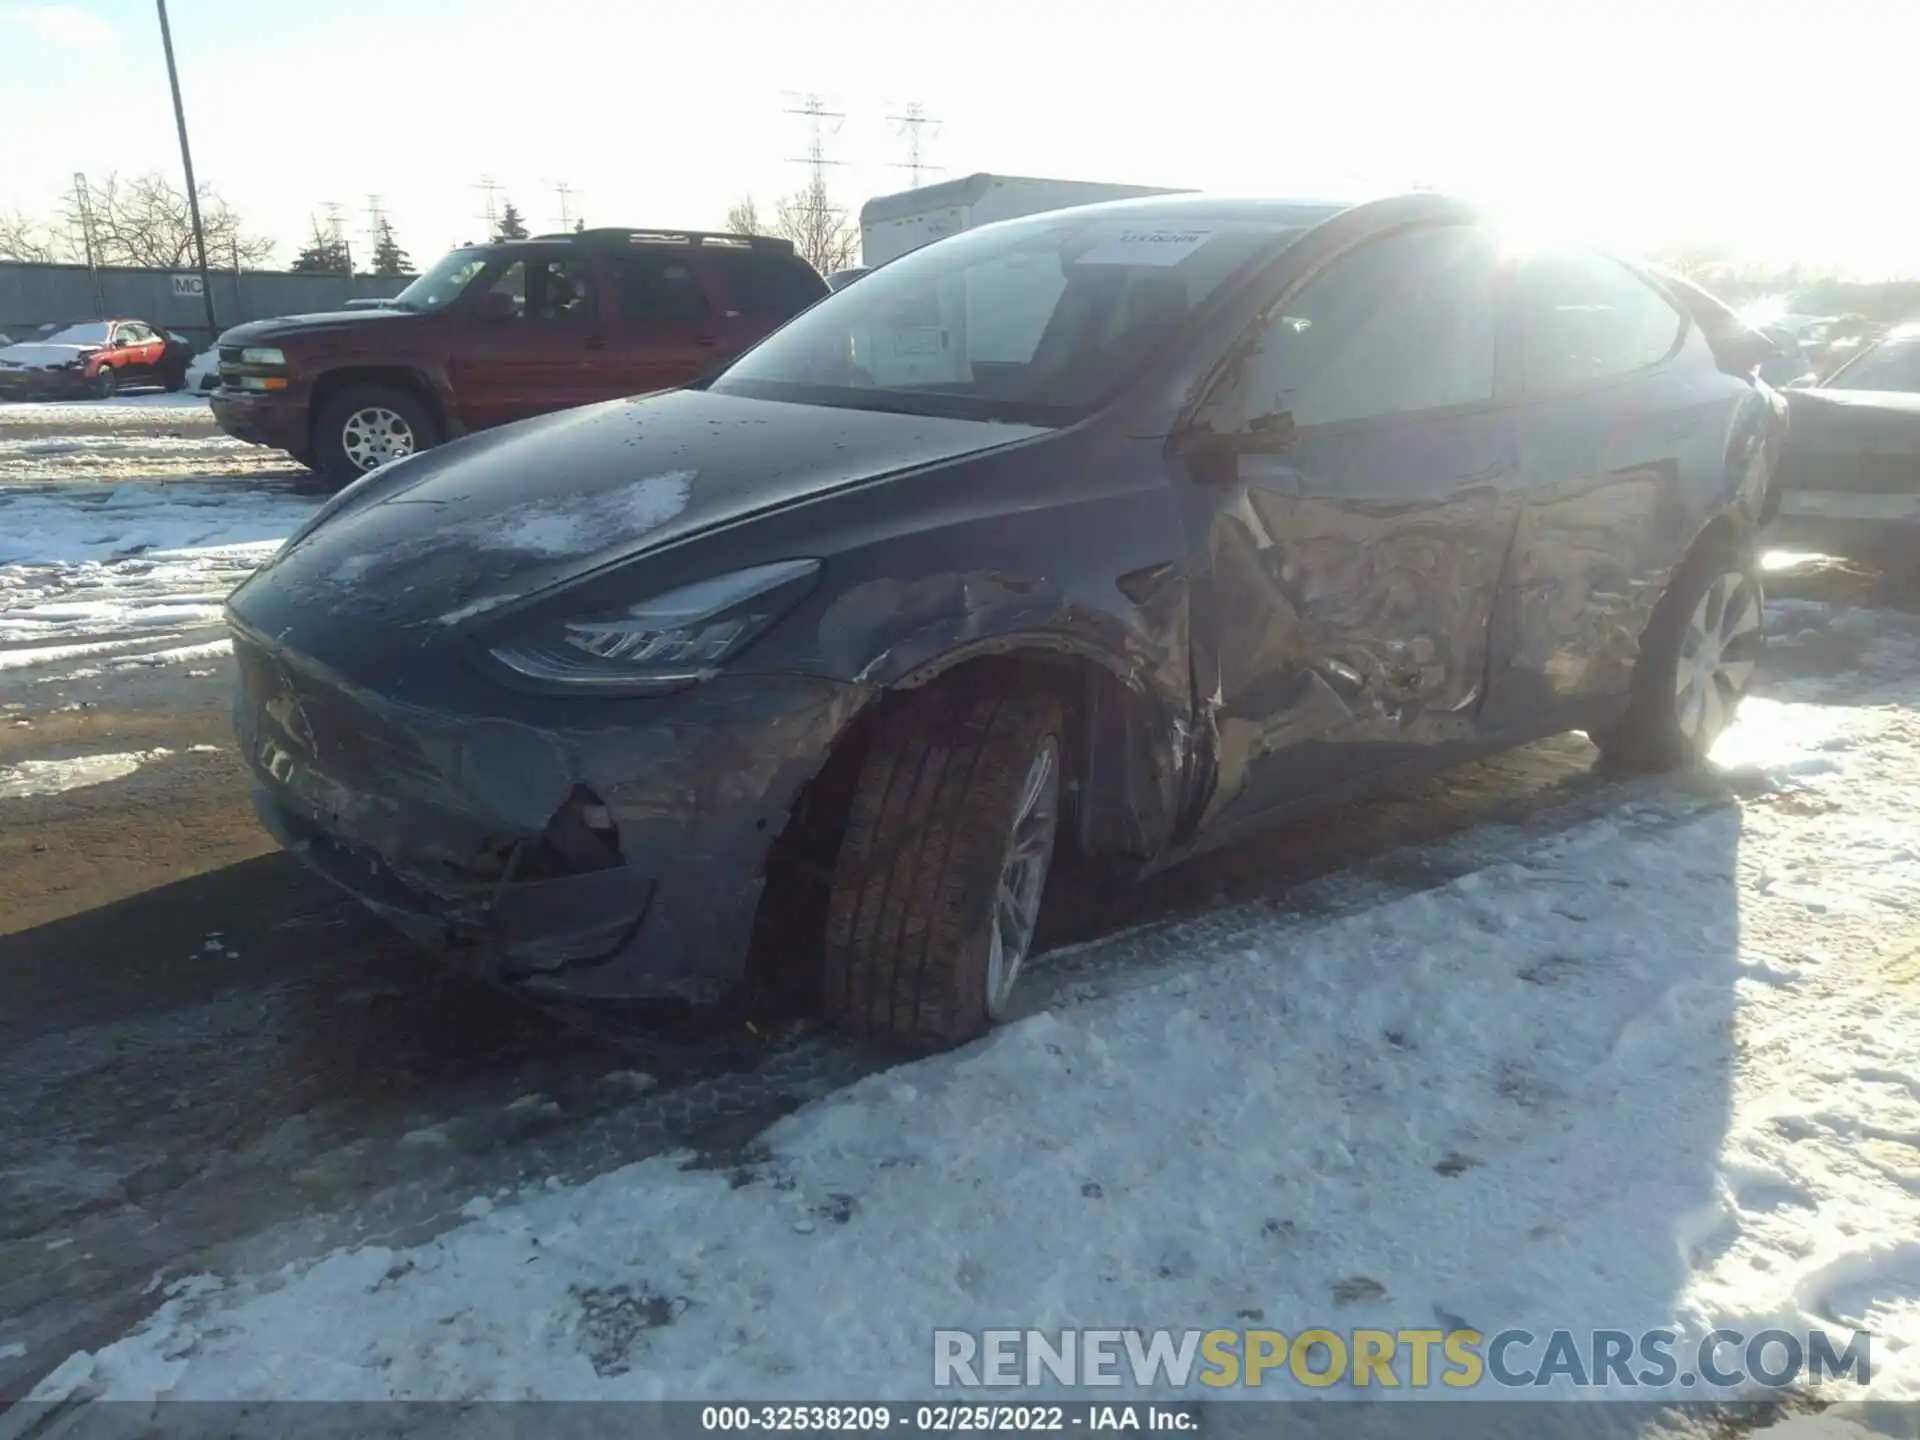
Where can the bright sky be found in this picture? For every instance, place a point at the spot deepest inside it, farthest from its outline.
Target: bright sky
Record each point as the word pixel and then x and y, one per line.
pixel 1773 125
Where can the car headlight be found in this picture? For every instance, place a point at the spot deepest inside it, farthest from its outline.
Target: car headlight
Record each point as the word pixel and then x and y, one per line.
pixel 664 643
pixel 263 357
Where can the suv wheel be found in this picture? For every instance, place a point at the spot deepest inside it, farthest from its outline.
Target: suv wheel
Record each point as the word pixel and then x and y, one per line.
pixel 1697 658
pixel 938 883
pixel 367 426
pixel 106 383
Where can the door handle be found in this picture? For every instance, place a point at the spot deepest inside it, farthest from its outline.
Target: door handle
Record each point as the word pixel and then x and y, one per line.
pixel 707 340
pixel 596 342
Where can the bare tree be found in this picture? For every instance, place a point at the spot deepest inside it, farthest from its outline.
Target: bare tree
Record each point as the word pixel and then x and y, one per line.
pixel 818 228
pixel 24 238
pixel 146 221
pixel 743 218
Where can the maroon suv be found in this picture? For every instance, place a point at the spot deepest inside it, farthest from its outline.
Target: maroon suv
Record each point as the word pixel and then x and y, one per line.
pixel 495 333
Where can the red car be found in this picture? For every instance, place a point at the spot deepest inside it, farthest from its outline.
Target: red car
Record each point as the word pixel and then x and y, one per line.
pixel 70 359
pixel 501 332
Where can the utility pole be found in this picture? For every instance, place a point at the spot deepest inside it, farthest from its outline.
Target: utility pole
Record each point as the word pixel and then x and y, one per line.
pixel 83 203
pixel 909 126
pixel 565 192
pixel 186 163
pixel 374 217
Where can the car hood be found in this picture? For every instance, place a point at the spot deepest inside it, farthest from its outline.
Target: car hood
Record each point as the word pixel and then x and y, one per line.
pixel 41 356
pixel 451 534
pixel 1855 422
pixel 257 331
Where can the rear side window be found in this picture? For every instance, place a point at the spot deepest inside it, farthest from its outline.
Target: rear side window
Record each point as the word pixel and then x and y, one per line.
pixel 770 286
pixel 1585 317
pixel 1401 324
pixel 656 287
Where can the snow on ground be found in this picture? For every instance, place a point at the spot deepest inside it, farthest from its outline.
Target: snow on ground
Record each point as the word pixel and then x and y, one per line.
pixel 51 777
pixel 94 570
pixel 82 412
pixel 1663 1069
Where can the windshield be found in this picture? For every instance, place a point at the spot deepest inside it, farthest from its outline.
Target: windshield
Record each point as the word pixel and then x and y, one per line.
pixel 58 334
pixel 1033 320
pixel 442 284
pixel 1894 365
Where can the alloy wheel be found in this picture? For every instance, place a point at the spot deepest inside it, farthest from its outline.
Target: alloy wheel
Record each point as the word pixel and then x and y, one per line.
pixel 1023 876
pixel 1719 651
pixel 374 436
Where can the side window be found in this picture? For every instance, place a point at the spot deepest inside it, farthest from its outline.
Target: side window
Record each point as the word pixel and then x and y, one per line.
pixel 547 289
pixel 1586 317
pixel 132 332
pixel 656 287
pixel 772 286
pixel 1404 323
pixel 1895 365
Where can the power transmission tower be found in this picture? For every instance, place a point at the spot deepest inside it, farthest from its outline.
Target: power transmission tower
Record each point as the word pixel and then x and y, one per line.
pixel 909 127
pixel 335 224
pixel 817 115
pixel 489 187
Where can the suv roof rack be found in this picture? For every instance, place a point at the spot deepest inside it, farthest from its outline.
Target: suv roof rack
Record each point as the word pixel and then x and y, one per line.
pixel 617 234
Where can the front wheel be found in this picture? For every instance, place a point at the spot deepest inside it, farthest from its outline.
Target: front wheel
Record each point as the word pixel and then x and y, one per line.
pixel 1697 659
pixel 106 383
pixel 937 887
pixel 365 427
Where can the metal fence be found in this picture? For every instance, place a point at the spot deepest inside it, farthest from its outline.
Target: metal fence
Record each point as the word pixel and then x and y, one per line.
pixel 31 295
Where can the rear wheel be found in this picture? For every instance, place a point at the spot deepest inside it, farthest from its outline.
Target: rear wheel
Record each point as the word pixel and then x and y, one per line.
pixel 106 383
pixel 937 887
pixel 1697 659
pixel 365 427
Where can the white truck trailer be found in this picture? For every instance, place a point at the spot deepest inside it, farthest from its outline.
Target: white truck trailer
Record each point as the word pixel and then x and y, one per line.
pixel 891 225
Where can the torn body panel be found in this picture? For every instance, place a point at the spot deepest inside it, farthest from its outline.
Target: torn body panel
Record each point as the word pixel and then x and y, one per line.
pixel 1620 485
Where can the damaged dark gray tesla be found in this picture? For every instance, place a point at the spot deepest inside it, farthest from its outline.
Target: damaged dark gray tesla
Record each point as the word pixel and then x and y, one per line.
pixel 1125 529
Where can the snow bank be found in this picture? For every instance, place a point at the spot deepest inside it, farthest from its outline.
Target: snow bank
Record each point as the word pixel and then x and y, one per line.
pixel 1655 1071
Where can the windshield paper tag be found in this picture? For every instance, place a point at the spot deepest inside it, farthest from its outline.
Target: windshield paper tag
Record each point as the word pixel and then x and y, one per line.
pixel 1147 246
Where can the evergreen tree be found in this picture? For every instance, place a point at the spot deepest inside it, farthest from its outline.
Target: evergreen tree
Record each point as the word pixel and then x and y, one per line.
pixel 324 254
pixel 388 258
pixel 510 226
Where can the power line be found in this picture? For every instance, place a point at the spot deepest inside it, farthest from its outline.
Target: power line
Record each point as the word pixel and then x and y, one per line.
pixel 909 127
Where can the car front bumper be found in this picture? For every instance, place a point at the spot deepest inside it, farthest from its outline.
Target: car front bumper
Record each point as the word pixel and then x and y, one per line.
pixel 445 823
pixel 64 384
pixel 277 422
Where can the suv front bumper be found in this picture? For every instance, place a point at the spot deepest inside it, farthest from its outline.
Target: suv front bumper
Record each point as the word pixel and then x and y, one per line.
pixel 276 421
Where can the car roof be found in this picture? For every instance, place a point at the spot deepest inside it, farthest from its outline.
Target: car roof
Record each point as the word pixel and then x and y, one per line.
pixel 613 237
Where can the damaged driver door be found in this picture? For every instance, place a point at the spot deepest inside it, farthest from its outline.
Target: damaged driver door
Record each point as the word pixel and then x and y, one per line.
pixel 1356 480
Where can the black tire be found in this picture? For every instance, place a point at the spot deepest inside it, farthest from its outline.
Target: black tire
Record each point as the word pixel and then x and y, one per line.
pixel 175 380
pixel 105 384
pixel 330 455
pixel 911 911
pixel 1653 735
